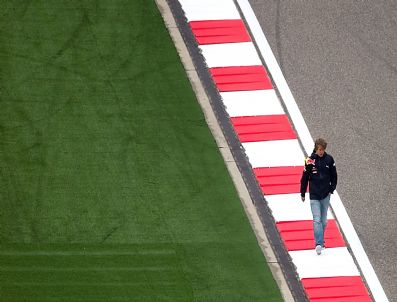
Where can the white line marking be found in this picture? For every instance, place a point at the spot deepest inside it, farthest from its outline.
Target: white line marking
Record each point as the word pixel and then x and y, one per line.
pixel 332 262
pixel 307 141
pixel 209 10
pixel 279 153
pixel 289 207
pixel 230 54
pixel 250 103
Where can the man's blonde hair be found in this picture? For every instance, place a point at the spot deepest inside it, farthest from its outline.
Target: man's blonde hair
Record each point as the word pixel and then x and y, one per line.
pixel 320 142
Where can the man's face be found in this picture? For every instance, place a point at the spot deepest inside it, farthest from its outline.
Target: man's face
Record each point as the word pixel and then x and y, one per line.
pixel 320 151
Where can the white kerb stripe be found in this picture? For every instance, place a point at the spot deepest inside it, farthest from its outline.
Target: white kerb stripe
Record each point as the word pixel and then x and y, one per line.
pixel 198 10
pixel 251 103
pixel 332 262
pixel 289 207
pixel 230 54
pixel 277 153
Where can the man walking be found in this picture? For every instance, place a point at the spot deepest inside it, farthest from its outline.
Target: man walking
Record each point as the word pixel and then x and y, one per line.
pixel 320 173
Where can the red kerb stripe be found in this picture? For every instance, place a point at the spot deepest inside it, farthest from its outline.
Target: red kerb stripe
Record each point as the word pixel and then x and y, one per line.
pixel 336 289
pixel 298 235
pixel 263 128
pixel 219 31
pixel 241 78
pixel 279 180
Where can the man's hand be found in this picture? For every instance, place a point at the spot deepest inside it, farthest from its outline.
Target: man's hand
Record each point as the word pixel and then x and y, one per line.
pixel 303 198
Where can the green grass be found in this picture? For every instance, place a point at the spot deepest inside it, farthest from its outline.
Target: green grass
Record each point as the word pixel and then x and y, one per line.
pixel 111 185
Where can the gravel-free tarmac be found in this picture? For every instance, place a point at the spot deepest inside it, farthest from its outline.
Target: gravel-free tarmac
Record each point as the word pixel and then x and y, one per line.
pixel 340 61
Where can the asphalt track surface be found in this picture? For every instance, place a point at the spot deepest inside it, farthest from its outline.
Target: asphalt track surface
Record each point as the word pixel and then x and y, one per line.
pixel 340 61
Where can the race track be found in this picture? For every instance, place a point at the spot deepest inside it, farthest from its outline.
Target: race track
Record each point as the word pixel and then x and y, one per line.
pixel 340 61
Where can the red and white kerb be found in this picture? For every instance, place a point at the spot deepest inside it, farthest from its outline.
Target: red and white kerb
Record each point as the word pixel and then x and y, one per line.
pixel 271 145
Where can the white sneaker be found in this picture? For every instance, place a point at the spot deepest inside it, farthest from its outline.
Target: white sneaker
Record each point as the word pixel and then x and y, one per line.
pixel 318 249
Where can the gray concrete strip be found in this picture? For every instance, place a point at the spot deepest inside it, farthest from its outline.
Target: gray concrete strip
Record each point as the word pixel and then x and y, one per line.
pixel 224 149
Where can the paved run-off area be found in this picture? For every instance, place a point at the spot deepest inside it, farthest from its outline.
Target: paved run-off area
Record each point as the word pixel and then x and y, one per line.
pixel 111 184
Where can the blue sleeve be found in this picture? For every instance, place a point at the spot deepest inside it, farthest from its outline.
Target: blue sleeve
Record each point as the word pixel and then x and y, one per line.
pixel 334 177
pixel 304 181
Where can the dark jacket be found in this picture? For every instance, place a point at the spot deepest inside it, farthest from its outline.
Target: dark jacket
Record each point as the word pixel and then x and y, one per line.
pixel 320 173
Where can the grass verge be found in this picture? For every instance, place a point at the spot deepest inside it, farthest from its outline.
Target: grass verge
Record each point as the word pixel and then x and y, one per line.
pixel 111 185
